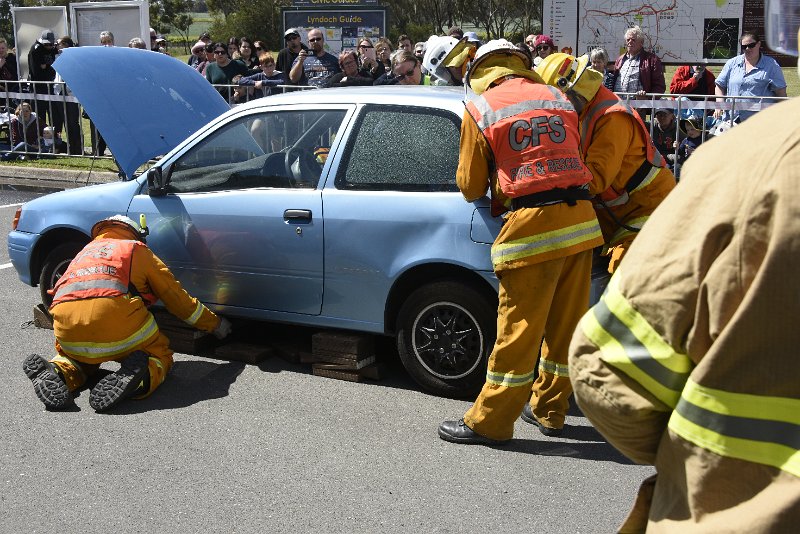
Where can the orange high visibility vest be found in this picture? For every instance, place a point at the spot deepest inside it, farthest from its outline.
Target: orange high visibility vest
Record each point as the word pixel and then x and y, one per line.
pixel 532 131
pixel 606 102
pixel 101 269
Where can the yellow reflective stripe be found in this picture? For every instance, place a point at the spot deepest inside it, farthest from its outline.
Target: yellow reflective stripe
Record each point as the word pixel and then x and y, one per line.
pixel 622 234
pixel 89 349
pixel 509 380
pixel 554 368
pixel 545 242
pixel 195 316
pixel 648 179
pixel 754 428
pixel 629 343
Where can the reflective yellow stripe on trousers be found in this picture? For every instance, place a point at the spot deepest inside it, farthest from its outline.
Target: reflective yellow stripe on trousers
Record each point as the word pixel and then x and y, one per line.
pixel 545 242
pixel 89 349
pixel 509 380
pixel 628 343
pixel 755 428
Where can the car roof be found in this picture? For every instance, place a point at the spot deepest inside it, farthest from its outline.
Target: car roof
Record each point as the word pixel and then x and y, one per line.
pixel 450 98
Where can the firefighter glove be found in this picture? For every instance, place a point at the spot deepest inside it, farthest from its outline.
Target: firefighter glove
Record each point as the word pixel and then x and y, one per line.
pixel 222 329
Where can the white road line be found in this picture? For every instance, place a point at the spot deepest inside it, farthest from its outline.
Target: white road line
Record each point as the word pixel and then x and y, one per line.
pixel 5 265
pixel 10 205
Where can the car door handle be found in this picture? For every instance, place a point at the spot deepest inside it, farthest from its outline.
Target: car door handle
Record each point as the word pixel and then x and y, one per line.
pixel 297 216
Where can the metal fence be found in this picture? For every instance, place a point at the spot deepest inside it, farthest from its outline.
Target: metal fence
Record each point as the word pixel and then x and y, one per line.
pixel 54 104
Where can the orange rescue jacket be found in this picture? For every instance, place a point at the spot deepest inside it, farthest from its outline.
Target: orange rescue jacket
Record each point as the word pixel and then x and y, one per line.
pixel 607 102
pixel 101 269
pixel 534 142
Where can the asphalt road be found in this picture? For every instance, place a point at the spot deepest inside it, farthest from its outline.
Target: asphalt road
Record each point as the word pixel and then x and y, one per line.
pixel 228 447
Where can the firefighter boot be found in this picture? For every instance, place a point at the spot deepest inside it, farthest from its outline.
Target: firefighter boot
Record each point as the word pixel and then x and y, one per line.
pixel 116 387
pixel 48 383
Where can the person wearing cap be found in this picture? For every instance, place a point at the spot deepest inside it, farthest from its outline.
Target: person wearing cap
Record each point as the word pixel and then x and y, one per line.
pixel 40 66
pixel 519 140
pixel 289 53
pixel 630 176
pixel 543 46
pixel 206 38
pixel 693 126
pixel 100 314
pixel 473 39
pixel 198 54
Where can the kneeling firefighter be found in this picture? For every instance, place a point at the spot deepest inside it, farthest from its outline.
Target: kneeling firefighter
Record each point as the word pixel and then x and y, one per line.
pixel 519 138
pixel 100 314
pixel 630 177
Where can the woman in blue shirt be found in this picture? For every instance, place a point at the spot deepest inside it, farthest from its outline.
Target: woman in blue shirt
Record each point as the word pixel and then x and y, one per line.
pixel 750 74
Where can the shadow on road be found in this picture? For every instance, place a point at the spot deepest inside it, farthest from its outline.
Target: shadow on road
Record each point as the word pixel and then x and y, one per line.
pixel 188 383
pixel 595 451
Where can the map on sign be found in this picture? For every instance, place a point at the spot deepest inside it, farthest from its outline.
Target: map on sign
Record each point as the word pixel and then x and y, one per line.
pixel 678 31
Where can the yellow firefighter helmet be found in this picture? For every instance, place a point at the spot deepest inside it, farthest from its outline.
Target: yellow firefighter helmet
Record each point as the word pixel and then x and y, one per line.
pixel 569 73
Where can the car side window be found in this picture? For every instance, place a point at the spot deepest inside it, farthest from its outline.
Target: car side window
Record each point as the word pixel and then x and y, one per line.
pixel 283 149
pixel 402 149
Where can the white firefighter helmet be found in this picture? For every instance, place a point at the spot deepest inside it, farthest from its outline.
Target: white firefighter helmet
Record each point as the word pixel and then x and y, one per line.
pixel 435 51
pixel 122 221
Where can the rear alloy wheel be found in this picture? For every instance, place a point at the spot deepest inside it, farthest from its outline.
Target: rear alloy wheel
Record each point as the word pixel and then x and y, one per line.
pixel 54 266
pixel 446 331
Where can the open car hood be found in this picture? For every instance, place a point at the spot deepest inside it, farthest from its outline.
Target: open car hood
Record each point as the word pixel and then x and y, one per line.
pixel 143 103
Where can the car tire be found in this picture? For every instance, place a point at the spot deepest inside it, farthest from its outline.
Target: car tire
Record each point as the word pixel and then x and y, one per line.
pixel 445 333
pixel 55 264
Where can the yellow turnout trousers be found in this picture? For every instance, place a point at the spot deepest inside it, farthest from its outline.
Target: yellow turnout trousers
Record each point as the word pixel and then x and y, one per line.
pixel 91 331
pixel 541 300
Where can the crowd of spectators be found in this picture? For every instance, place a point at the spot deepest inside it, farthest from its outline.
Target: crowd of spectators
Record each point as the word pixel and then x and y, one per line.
pixel 243 69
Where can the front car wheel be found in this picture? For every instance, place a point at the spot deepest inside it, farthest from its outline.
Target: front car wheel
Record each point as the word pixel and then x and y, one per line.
pixel 446 331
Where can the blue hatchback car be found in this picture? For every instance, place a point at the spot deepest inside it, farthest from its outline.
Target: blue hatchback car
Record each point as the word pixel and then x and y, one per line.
pixel 333 208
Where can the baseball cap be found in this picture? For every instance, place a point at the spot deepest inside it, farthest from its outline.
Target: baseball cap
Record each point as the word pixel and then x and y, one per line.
pixel 291 32
pixel 472 37
pixel 47 37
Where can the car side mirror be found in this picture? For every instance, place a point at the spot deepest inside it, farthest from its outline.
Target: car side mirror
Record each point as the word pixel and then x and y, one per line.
pixel 155 182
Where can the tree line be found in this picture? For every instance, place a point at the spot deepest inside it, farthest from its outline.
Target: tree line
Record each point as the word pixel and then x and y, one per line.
pixel 261 19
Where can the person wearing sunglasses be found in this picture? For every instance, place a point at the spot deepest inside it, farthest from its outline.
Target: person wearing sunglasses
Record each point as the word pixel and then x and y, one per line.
pixel 368 59
pixel 543 46
pixel 314 66
pixel 289 53
pixel 223 70
pixel 751 73
pixel 408 70
pixel 530 42
pixel 198 54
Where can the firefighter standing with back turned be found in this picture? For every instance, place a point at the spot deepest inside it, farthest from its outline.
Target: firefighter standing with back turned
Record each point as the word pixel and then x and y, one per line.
pixel 690 362
pixel 100 314
pixel 630 177
pixel 519 138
